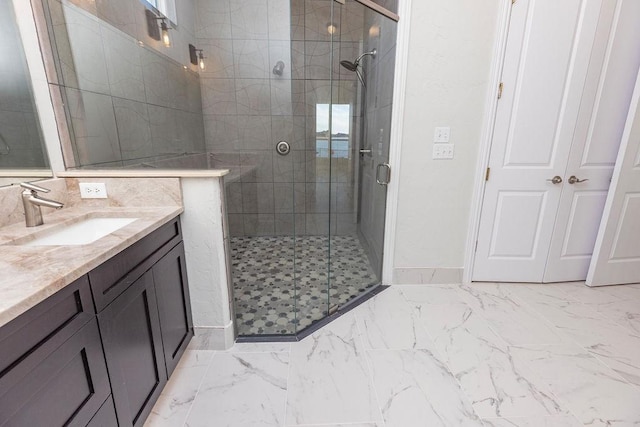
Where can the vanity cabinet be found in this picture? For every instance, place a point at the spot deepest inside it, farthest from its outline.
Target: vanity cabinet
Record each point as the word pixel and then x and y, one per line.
pixel 99 351
pixel 52 367
pixel 131 336
pixel 174 308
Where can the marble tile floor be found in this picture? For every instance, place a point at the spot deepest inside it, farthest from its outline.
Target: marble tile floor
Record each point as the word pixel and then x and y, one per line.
pixel 490 355
pixel 284 284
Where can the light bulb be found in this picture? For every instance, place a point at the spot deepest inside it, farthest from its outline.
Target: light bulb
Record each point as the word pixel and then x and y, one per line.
pixel 331 28
pixel 165 34
pixel 201 63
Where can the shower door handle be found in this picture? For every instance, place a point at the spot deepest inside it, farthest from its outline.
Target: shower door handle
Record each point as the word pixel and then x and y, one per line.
pixel 388 174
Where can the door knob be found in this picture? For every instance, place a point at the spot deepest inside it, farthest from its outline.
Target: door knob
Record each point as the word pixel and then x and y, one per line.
pixel 574 180
pixel 556 179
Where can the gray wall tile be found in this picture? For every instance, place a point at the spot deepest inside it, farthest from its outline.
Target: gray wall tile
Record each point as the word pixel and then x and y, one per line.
pixel 253 96
pixel 134 129
pixel 317 197
pixel 254 132
pixel 83 59
pixel 219 57
pixel 234 197
pixel 251 59
pixel 94 125
pixel 213 19
pixel 221 132
pixel 259 224
pixel 236 225
pixel 249 19
pixel 219 96
pixel 317 17
pixel 124 67
pixel 119 13
pixel 257 166
pixel 164 132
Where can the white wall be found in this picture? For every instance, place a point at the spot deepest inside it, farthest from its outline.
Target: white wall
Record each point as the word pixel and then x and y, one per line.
pixel 450 53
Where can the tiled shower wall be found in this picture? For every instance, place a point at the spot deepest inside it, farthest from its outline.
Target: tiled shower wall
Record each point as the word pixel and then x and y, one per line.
pixel 248 109
pixel 20 140
pixel 129 98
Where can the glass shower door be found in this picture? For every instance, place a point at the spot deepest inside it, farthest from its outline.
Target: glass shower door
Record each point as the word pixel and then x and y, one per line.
pixel 361 120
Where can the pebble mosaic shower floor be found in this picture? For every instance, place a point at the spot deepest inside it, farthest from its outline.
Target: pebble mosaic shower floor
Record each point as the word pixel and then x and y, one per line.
pixel 280 282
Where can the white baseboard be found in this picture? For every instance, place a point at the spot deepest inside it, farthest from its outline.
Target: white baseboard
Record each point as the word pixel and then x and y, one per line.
pixel 214 338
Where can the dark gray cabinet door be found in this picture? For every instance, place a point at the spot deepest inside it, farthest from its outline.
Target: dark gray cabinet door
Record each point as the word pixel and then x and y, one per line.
pixel 174 307
pixel 55 388
pixel 106 416
pixel 130 331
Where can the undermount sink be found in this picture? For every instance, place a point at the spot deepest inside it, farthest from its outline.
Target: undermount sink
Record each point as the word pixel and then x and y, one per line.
pixel 80 233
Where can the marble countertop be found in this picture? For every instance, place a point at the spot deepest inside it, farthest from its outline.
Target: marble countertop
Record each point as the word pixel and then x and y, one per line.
pixel 30 274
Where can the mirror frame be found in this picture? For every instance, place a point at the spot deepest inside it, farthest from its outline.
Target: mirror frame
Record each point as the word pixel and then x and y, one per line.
pixel 36 50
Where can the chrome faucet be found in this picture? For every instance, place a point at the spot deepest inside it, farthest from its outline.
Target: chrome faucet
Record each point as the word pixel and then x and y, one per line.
pixel 32 203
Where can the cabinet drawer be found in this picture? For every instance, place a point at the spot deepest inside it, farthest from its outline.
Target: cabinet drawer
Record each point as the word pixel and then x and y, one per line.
pixel 114 276
pixel 65 387
pixel 62 315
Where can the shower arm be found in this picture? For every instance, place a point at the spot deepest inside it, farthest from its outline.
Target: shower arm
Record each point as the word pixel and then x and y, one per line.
pixel 359 58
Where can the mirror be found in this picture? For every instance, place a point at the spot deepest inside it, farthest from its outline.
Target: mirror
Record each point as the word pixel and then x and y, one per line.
pixel 22 151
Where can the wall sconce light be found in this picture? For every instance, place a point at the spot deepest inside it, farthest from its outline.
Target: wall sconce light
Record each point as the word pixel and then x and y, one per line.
pixel 331 28
pixel 152 28
pixel 165 33
pixel 197 57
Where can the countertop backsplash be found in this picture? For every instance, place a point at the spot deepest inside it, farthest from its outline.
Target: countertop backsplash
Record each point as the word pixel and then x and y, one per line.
pixel 121 192
pixel 11 210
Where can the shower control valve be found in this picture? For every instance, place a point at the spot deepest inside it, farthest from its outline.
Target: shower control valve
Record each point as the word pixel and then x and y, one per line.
pixel 283 148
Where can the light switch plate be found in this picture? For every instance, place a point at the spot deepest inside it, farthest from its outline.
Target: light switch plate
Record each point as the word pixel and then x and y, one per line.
pixel 441 134
pixel 443 151
pixel 93 190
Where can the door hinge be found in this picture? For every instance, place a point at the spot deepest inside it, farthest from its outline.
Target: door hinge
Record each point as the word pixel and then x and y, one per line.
pixel 500 86
pixel 486 175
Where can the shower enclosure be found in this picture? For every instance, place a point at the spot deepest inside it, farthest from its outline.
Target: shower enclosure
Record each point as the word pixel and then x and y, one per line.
pixel 295 99
pixel 298 94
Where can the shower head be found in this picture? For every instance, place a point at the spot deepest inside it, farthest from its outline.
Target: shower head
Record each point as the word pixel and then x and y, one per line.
pixel 349 65
pixel 353 66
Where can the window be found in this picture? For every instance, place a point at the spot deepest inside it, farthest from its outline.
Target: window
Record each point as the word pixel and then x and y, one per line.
pixel 165 7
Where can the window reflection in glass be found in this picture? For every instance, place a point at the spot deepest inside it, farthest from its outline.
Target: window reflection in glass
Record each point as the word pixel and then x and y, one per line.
pixel 340 131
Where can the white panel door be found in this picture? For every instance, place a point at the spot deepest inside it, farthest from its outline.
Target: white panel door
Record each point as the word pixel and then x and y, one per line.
pixel 546 60
pixel 616 257
pixel 613 67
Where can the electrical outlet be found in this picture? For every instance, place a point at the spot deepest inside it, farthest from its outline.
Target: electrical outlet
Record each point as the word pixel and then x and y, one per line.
pixel 93 190
pixel 441 134
pixel 443 151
